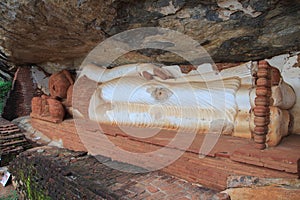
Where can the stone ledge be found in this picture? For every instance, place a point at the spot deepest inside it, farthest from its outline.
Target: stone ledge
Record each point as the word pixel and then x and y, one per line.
pixel 211 171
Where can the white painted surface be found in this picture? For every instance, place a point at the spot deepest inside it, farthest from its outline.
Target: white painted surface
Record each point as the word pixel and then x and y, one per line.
pixel 290 72
pixel 41 79
pixel 185 101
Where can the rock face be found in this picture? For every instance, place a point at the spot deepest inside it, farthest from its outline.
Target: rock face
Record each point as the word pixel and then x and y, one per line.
pixel 250 187
pixel 37 31
pixel 230 30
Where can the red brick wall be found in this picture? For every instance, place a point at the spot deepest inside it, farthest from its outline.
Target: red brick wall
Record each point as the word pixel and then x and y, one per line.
pixel 18 103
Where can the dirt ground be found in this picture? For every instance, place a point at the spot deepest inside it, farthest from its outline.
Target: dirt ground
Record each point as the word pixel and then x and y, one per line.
pixel 6 191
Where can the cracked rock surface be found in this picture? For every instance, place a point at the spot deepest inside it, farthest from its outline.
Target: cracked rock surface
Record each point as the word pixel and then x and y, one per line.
pixel 33 31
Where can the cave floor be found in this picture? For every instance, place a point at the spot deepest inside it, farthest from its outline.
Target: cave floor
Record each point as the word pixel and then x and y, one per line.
pixel 8 192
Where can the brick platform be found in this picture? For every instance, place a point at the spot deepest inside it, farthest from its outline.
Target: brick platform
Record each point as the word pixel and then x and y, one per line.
pixel 12 142
pixel 53 173
pixel 211 171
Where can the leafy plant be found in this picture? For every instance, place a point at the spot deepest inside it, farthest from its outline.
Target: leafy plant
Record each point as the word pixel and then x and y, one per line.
pixel 4 89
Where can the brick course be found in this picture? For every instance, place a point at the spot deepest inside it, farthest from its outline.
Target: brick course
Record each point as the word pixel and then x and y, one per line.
pixel 12 142
pixel 55 173
pixel 18 103
pixel 211 171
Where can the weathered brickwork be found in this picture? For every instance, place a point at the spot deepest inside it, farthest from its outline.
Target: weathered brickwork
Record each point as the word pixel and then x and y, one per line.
pixel 211 171
pixel 18 103
pixel 12 142
pixel 55 173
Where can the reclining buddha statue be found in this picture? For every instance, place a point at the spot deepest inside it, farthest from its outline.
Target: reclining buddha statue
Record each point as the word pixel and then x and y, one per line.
pixel 250 100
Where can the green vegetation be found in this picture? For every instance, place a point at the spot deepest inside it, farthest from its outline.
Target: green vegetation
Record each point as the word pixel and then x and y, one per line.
pixel 32 192
pixel 12 196
pixel 4 89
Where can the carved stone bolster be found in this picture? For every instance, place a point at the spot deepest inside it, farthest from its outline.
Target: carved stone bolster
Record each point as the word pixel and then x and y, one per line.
pixel 36 103
pixel 52 108
pixel 56 110
pixel 47 109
